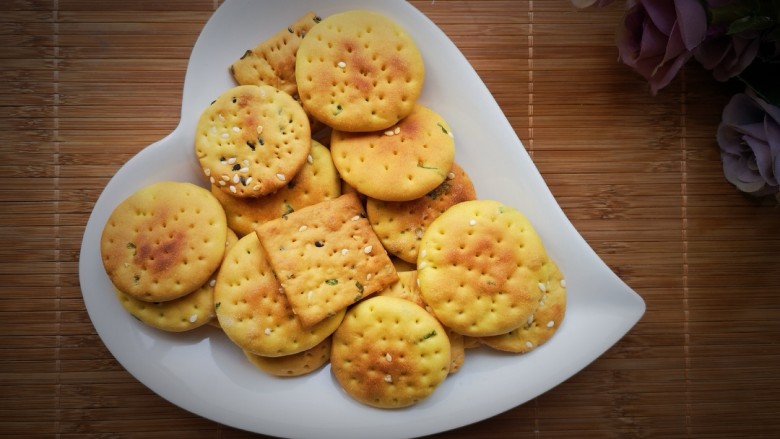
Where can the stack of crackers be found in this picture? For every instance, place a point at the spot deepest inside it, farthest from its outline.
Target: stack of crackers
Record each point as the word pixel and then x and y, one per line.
pixel 337 227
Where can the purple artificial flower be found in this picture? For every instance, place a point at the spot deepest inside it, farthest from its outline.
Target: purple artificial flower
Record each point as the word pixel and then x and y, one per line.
pixel 749 139
pixel 658 37
pixel 727 55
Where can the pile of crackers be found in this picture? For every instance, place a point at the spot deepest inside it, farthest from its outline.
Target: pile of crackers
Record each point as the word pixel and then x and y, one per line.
pixel 337 228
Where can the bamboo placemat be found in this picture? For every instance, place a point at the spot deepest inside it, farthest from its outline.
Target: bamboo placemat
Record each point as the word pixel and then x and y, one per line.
pixel 84 85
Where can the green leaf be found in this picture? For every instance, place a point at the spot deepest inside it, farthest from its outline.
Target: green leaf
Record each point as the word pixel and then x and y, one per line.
pixel 750 23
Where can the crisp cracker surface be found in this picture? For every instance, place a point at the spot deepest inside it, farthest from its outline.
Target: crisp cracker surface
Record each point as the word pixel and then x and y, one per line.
pixel 390 353
pixel 545 320
pixel 400 225
pixel 326 257
pixel 298 364
pixel 252 140
pixel 316 181
pixel 403 163
pixel 253 311
pixel 359 71
pixel 178 315
pixel 478 267
pixel 164 241
pixel 272 61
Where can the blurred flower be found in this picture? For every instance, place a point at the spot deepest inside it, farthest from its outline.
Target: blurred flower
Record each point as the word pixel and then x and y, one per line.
pixel 749 140
pixel 728 55
pixel 658 37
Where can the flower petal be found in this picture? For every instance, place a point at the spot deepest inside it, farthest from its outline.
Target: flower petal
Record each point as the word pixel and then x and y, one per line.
pixel 692 22
pixel 662 13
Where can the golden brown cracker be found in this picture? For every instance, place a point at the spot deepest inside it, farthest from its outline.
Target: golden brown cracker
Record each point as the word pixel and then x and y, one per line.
pixel 326 257
pixel 405 162
pixel 359 71
pixel 390 353
pixel 478 267
pixel 252 140
pixel 272 61
pixel 164 241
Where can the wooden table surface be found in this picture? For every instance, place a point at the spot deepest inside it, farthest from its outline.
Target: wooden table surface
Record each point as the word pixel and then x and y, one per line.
pixel 84 85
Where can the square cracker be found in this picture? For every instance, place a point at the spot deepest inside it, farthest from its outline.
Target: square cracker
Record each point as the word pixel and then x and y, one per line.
pixel 326 256
pixel 272 62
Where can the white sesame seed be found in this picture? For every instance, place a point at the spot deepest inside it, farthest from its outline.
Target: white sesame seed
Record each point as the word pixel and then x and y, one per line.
pixel 310 159
pixel 542 287
pixel 220 116
pixel 236 178
pixel 214 129
pixel 213 282
pixel 418 282
pixel 344 251
pixel 388 357
pixel 248 181
pixel 193 318
pixel 563 283
pixel 231 160
pixel 222 183
pixel 232 189
pixel 281 177
pixel 225 135
pixel 397 130
pixel 529 345
pixel 472 222
pixel 389 378
pixel 368 276
pixel 225 177
pixel 451 175
pixel 530 319
pixel 236 129
pixel 255 187
pixel 259 129
pixel 267 331
pixel 309 294
pixel 419 232
pixel 356 217
pixel 423 252
pixel 389 133
pixel 342 64
pixel 302 228
pixel 244 170
pixel 422 265
pixel 551 323
pixel 207 171
pixel 211 180
pixel 367 249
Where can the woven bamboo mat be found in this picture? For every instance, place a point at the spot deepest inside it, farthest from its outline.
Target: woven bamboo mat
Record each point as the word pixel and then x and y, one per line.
pixel 84 85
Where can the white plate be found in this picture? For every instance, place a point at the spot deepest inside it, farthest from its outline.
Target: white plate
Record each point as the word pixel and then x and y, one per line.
pixel 203 372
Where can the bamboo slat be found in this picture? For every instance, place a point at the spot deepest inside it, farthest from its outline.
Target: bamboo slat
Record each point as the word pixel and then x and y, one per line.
pixel 85 85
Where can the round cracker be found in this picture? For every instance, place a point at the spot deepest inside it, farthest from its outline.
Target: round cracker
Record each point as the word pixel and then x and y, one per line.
pixel 298 364
pixel 401 225
pixel 478 267
pixel 253 310
pixel 389 352
pixel 188 312
pixel 252 140
pixel 358 71
pixel 402 163
pixel 316 181
pixel 164 241
pixel 545 320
